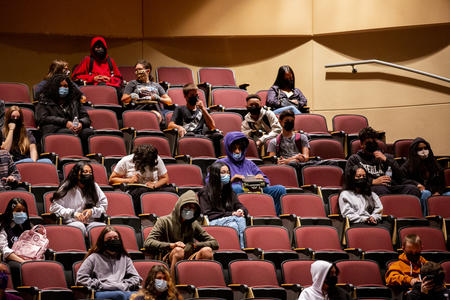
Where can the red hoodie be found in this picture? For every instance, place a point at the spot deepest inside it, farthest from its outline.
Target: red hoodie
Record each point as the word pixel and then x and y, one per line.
pixel 100 67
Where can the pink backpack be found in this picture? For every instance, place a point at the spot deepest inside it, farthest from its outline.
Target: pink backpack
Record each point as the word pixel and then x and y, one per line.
pixel 31 244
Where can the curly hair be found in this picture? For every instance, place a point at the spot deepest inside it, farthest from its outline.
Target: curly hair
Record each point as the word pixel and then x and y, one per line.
pixel 51 89
pixel 148 287
pixel 145 155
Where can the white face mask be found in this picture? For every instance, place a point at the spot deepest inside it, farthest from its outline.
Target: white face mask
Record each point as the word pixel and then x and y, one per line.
pixel 423 153
pixel 160 285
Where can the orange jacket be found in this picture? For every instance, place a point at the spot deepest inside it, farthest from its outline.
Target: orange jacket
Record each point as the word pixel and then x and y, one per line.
pixel 401 272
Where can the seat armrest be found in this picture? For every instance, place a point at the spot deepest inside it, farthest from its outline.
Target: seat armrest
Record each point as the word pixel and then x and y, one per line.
pixel 98 157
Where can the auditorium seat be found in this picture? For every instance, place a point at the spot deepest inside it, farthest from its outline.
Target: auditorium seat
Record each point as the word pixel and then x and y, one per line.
pixel 121 210
pixel 156 204
pixel 104 121
pixel 284 175
pixel 99 173
pixel 227 122
pixel 14 93
pixel 6 196
pixel 261 209
pixel 198 151
pixel 177 96
pixel 185 177
pixel 175 76
pixel 102 97
pixel 233 100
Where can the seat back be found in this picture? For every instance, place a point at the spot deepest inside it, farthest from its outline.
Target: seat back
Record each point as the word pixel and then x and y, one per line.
pixel 6 196
pixel 65 145
pixel 227 121
pixel 143 267
pixel 196 147
pixel 356 146
pixel 107 145
pixel 267 238
pixel 243 272
pixel 185 175
pixel 47 201
pixel 258 205
pixel 217 76
pixel 229 98
pixel 327 149
pixel 333 202
pixel 58 241
pixel 359 272
pixel 31 272
pixel 211 275
pixel 146 231
pixel 307 237
pixel 177 96
pixel 401 206
pixel 128 72
pixel 158 203
pixel 100 95
pixel 446 266
pixel 380 238
pixel 227 237
pixel 311 123
pixel 103 119
pixel 324 176
pixel 279 174
pixel 350 124
pixel 303 205
pixel 447 177
pixel 13 92
pixel 401 147
pixel 160 143
pixel 263 95
pixel 126 232
pixel 28 117
pixel 297 271
pixel 119 204
pixel 140 120
pixel 439 206
pixel 175 76
pixel 99 172
pixel 432 238
pixel 38 173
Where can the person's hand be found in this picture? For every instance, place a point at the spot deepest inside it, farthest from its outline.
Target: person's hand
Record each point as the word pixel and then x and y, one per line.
pixel 133 179
pixel 420 187
pixel 69 125
pixel 240 213
pixel 177 244
pixel 259 176
pixel 79 216
pixel 78 128
pixel 12 126
pixel 181 131
pixel 237 177
pixel 283 161
pixel 383 180
pixel 9 179
pixel 413 281
pixel 98 78
pixel 87 213
pixel 379 155
pixel 200 104
pixel 426 286
pixel 300 157
pixel 151 185
pixel 372 220
pixel 294 101
pixel 259 144
pixel 106 79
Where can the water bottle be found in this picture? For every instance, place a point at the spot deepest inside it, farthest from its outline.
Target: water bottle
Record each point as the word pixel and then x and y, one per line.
pixel 75 123
pixel 388 172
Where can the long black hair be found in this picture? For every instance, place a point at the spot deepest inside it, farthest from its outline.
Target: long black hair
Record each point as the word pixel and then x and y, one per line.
pixel 100 246
pixel 349 185
pixel 219 193
pixel 72 180
pixel 8 214
pixel 145 155
pixel 422 167
pixel 51 89
pixel 281 82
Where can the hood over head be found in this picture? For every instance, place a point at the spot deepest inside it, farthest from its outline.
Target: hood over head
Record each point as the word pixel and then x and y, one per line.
pixel 319 271
pixel 98 39
pixel 415 144
pixel 188 197
pixel 233 137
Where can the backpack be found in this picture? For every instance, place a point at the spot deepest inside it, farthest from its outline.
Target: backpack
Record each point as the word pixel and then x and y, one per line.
pixel 298 142
pixel 31 244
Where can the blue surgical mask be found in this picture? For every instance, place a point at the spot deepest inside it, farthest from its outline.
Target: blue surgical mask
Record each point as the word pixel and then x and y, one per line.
pixel 63 91
pixel 187 214
pixel 237 156
pixel 160 285
pixel 19 217
pixel 225 178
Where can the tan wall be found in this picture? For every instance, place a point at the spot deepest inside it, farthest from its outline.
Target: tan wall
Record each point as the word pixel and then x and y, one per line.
pixel 256 41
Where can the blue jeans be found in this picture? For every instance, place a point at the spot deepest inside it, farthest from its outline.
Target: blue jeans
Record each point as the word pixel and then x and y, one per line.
pixel 114 295
pixel 42 160
pixel 281 109
pixel 425 194
pixel 276 191
pixel 235 222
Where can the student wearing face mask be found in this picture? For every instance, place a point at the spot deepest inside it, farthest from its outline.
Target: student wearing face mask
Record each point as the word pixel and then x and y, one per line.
pixel 58 106
pixel 98 68
pixel 220 203
pixel 283 94
pixel 324 276
pixel 357 202
pixel 15 222
pixel 158 286
pixel 144 88
pixel 422 170
pixel 143 167
pixel 19 141
pixel 108 269
pixel 259 124
pixel 179 235
pixel 405 272
pixel 79 200
pixel 377 164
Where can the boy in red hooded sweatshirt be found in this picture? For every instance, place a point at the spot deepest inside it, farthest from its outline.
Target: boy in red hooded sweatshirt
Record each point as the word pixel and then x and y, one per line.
pixel 98 68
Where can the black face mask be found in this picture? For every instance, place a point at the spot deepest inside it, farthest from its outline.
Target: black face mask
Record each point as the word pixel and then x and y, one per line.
pixel 86 178
pixel 331 281
pixel 113 245
pixel 288 125
pixel 192 100
pixel 371 146
pixel 414 258
pixel 100 53
pixel 361 183
pixel 254 110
